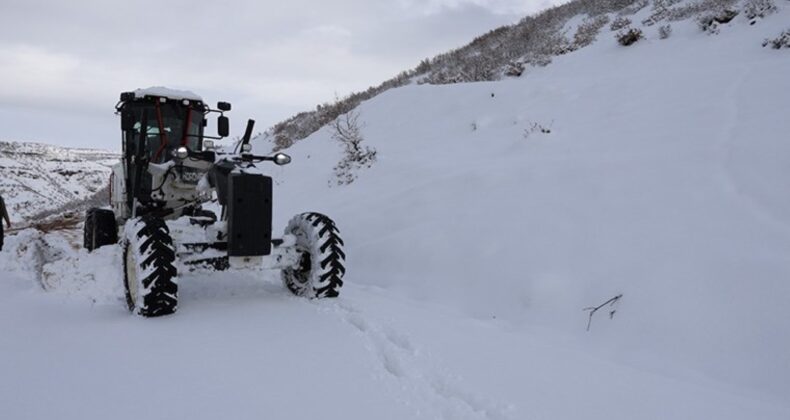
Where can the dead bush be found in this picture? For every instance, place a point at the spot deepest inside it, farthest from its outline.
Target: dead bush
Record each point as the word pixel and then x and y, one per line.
pixel 755 10
pixel 781 41
pixel 710 23
pixel 347 130
pixel 620 23
pixel 588 30
pixel 664 31
pixel 633 8
pixel 537 128
pixel 629 36
pixel 515 69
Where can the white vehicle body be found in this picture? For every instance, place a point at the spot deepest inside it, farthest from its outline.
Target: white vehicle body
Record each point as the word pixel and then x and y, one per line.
pixel 178 185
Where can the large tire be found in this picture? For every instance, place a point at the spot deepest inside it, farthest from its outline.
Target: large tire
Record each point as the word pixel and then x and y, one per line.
pixel 100 229
pixel 150 276
pixel 321 271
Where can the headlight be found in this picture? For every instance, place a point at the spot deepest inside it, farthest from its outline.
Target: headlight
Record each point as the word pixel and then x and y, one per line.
pixel 182 152
pixel 282 159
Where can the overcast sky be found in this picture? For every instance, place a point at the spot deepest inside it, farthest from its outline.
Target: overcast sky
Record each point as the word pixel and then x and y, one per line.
pixel 63 63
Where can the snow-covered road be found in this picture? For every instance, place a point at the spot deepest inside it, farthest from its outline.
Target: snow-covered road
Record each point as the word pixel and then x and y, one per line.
pixel 241 346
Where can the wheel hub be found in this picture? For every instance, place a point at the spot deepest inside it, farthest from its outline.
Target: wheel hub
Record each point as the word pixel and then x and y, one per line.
pixel 131 277
pixel 305 262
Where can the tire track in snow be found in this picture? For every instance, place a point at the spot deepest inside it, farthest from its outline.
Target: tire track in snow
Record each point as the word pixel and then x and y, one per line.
pixel 402 361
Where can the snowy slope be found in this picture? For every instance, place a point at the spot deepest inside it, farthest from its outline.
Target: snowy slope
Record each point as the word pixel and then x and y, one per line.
pixel 474 243
pixel 663 178
pixel 37 178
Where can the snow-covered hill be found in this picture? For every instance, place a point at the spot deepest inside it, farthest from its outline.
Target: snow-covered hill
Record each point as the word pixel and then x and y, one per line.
pixel 474 243
pixel 39 178
pixel 536 41
pixel 664 177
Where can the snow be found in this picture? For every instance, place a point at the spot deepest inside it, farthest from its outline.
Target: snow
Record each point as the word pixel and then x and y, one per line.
pixel 161 91
pixel 473 245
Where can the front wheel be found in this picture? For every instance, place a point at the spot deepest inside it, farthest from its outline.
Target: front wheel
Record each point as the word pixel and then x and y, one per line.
pixel 150 276
pixel 320 272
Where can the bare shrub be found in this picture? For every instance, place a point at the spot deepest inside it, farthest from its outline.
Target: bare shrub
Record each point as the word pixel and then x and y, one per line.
pixel 612 309
pixel 632 9
pixel 620 23
pixel 565 48
pixel 629 36
pixel 514 69
pixel 281 141
pixel 588 30
pixel 538 60
pixel 557 44
pixel 664 10
pixel 537 128
pixel 664 31
pixel 661 10
pixel 781 41
pixel 710 22
pixel 347 130
pixel 758 9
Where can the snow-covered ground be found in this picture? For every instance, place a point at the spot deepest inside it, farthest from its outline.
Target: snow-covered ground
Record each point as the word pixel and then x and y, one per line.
pixel 474 243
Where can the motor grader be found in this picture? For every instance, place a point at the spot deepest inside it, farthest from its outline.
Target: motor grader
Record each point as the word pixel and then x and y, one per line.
pixel 168 174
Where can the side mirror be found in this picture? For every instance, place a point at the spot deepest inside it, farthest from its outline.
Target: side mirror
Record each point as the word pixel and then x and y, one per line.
pixel 282 159
pixel 223 106
pixel 127 96
pixel 223 126
pixel 127 120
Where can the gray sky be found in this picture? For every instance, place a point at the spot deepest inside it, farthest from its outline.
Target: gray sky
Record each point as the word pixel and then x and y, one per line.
pixel 63 63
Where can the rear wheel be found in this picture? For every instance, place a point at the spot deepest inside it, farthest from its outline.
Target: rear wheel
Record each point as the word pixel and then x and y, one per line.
pixel 150 276
pixel 100 229
pixel 320 273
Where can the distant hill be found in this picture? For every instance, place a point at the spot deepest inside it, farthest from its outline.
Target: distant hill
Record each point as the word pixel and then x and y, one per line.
pixel 36 179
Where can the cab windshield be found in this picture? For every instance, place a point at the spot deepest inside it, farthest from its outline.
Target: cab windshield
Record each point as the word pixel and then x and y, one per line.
pixel 170 126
